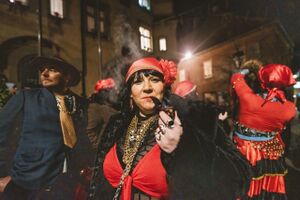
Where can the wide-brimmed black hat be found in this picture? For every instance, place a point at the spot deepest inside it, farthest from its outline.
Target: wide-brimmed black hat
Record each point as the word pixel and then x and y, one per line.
pixel 40 62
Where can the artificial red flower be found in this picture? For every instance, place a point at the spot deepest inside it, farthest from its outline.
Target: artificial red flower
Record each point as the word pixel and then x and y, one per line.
pixel 104 84
pixel 169 71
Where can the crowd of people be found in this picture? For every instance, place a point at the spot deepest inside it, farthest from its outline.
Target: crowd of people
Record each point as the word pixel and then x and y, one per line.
pixel 148 140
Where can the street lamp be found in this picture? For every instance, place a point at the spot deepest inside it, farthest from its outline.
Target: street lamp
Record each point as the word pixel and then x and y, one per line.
pixel 187 55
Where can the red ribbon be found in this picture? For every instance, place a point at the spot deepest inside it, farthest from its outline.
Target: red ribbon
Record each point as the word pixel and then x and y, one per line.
pixel 275 92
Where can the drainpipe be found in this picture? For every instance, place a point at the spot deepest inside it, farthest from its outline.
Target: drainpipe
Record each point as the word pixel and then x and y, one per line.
pixel 83 46
pixel 99 39
pixel 40 31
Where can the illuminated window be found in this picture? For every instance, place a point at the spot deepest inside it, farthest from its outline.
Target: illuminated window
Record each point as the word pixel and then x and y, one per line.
pixel 145 4
pixel 162 44
pixel 145 39
pixel 207 69
pixel 57 8
pixel 181 75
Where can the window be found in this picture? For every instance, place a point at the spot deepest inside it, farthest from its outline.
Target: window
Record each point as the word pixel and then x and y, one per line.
pixel 57 8
pixel 207 69
pixel 182 75
pixel 145 4
pixel 102 21
pixel 91 20
pixel 145 39
pixel 21 2
pixel 162 44
pixel 90 14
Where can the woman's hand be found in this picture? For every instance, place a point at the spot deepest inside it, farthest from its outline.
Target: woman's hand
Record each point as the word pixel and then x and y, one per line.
pixel 168 132
pixel 3 182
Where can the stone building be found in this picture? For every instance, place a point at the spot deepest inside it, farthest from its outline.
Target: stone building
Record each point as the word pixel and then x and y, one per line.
pixel 211 68
pixel 127 30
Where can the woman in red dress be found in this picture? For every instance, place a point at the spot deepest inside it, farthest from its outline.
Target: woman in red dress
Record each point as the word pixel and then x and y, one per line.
pixel 135 142
pixel 153 147
pixel 263 112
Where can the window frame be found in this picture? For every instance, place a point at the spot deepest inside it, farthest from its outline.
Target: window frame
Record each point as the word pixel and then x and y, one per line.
pixel 63 9
pixel 166 45
pixel 205 69
pixel 150 38
pixel 103 22
pixel 182 75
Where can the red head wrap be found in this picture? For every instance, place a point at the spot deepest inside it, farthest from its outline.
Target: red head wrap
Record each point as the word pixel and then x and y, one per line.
pixel 165 67
pixel 184 88
pixel 274 78
pixel 104 84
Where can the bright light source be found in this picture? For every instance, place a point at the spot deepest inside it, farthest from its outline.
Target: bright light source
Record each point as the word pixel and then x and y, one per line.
pixel 295 76
pixel 187 55
pixel 297 85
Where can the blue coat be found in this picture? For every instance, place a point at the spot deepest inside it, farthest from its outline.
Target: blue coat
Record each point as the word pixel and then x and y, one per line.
pixel 41 152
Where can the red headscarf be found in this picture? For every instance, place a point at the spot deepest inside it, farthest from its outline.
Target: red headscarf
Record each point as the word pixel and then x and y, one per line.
pixel 274 78
pixel 184 88
pixel 165 67
pixel 104 84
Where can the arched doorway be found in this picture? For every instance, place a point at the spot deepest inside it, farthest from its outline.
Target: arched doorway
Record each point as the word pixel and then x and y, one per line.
pixel 28 75
pixel 15 56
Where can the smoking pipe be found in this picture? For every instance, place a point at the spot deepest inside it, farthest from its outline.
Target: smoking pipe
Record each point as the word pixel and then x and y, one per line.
pixel 162 106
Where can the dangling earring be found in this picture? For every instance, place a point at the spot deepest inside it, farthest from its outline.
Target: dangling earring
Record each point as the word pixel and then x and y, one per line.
pixel 131 104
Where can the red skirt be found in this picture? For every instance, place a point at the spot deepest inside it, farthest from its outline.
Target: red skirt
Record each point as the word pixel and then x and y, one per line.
pixel 266 158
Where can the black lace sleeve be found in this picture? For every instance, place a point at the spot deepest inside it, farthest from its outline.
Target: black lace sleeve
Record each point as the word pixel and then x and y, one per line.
pixel 99 187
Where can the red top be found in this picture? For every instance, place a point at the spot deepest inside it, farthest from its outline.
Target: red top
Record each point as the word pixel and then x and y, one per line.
pixel 272 116
pixel 148 176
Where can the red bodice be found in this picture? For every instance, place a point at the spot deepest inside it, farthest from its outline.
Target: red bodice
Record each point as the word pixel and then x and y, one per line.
pixel 148 176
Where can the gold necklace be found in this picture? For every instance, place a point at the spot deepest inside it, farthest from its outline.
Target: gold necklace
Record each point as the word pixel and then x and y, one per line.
pixel 130 150
pixel 134 137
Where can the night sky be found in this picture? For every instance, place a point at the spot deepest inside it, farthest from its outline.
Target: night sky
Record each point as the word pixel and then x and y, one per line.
pixel 287 11
pixel 254 12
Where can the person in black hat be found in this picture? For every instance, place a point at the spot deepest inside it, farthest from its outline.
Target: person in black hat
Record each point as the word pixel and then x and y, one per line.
pixel 52 120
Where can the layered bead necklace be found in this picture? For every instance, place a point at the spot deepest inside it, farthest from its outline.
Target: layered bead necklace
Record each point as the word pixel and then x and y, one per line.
pixel 135 136
pixel 133 140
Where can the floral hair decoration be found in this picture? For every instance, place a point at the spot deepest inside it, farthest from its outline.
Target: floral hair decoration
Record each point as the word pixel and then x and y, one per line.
pixel 165 67
pixel 104 84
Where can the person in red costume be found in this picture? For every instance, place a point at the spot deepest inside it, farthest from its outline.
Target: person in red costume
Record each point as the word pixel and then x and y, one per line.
pixel 262 114
pixel 153 149
pixel 134 141
pixel 186 88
